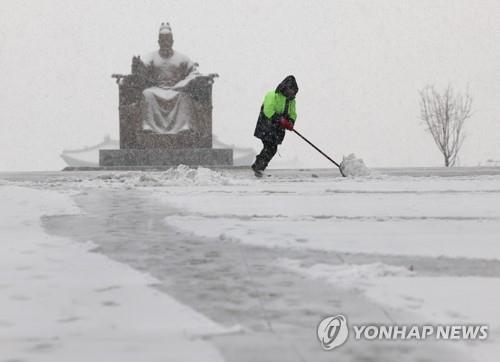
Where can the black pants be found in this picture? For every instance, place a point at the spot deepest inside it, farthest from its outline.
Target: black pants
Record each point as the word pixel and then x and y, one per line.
pixel 263 158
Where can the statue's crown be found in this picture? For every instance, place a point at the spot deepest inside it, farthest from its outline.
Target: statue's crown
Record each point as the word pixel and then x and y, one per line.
pixel 165 28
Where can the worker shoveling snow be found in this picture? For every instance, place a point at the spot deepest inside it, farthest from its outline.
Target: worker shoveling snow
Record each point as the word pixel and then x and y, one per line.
pixel 352 166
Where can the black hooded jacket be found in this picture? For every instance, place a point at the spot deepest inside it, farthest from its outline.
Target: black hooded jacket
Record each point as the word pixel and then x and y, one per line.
pixel 288 83
pixel 268 129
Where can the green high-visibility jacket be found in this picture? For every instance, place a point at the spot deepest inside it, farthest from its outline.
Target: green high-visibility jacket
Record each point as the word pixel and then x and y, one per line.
pixel 267 129
pixel 274 103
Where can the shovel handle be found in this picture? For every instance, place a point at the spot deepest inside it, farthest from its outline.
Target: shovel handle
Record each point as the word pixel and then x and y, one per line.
pixel 316 148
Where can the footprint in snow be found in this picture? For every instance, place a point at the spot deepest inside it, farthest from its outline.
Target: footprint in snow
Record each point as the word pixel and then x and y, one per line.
pixel 110 303
pixel 106 289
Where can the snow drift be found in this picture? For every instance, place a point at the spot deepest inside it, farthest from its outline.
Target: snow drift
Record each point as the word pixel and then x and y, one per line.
pixel 352 166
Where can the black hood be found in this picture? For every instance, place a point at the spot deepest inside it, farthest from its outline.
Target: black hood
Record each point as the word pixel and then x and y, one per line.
pixel 288 82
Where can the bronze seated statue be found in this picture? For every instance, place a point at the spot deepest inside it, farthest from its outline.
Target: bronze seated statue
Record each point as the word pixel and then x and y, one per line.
pixel 131 111
pixel 165 111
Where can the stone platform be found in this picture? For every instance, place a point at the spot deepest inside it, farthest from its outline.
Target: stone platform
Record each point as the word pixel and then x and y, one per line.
pixel 166 157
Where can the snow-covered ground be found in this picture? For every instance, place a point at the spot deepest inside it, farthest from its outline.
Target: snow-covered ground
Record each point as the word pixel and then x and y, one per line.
pixel 61 302
pixel 425 249
pixel 436 217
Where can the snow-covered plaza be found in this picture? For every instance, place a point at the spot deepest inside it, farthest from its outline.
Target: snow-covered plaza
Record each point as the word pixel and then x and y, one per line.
pixel 215 265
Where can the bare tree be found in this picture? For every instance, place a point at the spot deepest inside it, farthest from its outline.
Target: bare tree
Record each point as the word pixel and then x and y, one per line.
pixel 445 114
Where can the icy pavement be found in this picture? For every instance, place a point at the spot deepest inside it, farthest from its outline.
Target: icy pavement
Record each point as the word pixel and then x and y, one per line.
pixel 276 255
pixel 60 302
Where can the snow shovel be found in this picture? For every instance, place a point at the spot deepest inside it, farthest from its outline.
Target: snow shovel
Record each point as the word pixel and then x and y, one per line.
pixel 324 154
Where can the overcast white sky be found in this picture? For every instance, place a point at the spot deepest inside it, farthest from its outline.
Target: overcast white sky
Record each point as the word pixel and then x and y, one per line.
pixel 359 65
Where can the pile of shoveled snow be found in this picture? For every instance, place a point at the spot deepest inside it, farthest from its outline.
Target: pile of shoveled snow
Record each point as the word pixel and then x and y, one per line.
pixel 352 166
pixel 181 175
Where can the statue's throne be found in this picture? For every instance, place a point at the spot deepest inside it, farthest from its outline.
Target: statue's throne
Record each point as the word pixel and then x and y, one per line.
pixel 139 147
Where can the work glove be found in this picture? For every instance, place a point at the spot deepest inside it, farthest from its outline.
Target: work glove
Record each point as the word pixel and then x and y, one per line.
pixel 285 123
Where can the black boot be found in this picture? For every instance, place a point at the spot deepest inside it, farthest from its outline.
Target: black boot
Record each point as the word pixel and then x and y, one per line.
pixel 256 171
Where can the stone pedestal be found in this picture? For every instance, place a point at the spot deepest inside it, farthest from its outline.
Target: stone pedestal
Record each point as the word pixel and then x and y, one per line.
pixel 166 157
pixel 181 140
